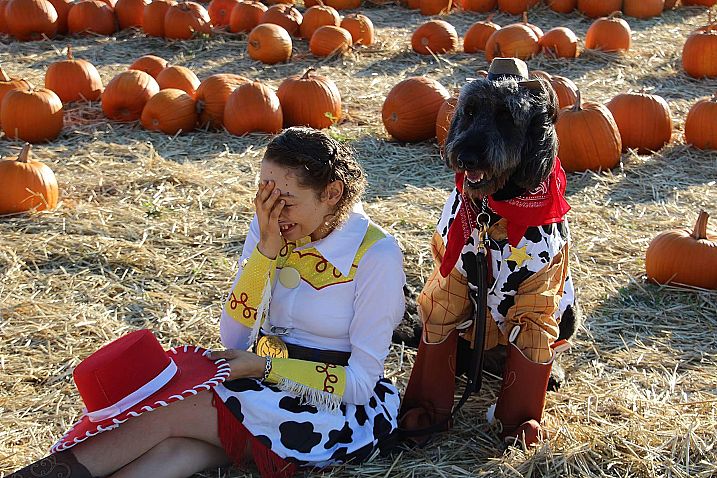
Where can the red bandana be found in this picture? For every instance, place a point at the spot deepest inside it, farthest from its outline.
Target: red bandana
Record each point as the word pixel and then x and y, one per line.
pixel 545 204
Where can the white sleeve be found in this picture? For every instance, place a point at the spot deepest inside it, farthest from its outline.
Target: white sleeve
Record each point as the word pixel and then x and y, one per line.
pixel 378 309
pixel 233 334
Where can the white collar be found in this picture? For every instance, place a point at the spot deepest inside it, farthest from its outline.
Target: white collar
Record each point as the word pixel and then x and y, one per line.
pixel 342 244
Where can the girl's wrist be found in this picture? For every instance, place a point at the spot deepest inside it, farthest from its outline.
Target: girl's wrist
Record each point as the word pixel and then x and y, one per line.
pixel 267 252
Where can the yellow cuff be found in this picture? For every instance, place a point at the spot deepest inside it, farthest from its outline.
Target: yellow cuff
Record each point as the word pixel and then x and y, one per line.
pixel 318 384
pixel 246 296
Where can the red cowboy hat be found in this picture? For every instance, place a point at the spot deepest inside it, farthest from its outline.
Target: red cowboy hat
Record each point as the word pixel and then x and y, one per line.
pixel 133 375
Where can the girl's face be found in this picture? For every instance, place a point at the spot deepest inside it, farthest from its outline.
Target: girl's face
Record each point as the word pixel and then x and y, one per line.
pixel 305 211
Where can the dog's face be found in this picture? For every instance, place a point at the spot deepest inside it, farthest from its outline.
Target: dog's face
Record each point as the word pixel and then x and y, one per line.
pixel 502 132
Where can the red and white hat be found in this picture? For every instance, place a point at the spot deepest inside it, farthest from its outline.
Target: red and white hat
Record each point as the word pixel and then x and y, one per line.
pixel 133 375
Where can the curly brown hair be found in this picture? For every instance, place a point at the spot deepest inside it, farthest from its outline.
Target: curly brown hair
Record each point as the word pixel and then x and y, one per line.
pixel 319 160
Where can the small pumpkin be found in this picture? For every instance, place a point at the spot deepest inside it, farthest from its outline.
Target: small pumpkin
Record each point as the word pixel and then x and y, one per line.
pixel 31 19
pixel 150 64
pixel 153 19
pixel 74 80
pixel 253 107
pixel 32 115
pixel 245 16
pixel 670 4
pixel 588 137
pixel 699 3
pixel 434 37
pixel 565 89
pixel 212 96
pixel 91 16
pixel 269 43
pixel 130 13
pixel 360 27
pixel 643 8
pixel 309 100
pixel 184 20
pixel 220 11
pixel 171 111
pixel 701 124
pixel 609 34
pixel 316 17
pixel 516 7
pixel 481 6
pixel 343 4
pixel 27 184
pixel 435 7
pixel 699 54
pixel 411 4
pixel 178 77
pixel 515 40
pixel 644 121
pixel 62 7
pixel 286 16
pixel 8 84
pixel 681 257
pixel 330 40
pixel 559 42
pixel 410 110
pixel 477 35
pixel 126 94
pixel 562 6
pixel 599 8
pixel 444 118
pixel 3 22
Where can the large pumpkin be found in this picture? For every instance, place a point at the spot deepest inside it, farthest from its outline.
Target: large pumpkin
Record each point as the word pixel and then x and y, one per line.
pixel 643 8
pixel 479 5
pixel 253 107
pixel 27 184
pixel 220 11
pixel 599 8
pixel 316 17
pixel 31 19
pixel 170 111
pixel 588 137
pixel 178 77
pixel 153 20
pixel 360 27
pixel 517 40
pixel 610 34
pixel 562 6
pixel 62 7
pixel 91 16
pixel 130 13
pixel 410 110
pixel 150 64
pixel 8 84
pixel 681 257
pixel 444 118
pixel 435 7
pixel 701 124
pixel 330 40
pixel 477 35
pixel 212 96
pixel 309 100
pixel 126 94
pixel 644 121
pixel 32 115
pixel 3 22
pixel 559 42
pixel 269 43
pixel 184 20
pixel 699 55
pixel 74 80
pixel 434 37
pixel 245 16
pixel 286 16
pixel 516 7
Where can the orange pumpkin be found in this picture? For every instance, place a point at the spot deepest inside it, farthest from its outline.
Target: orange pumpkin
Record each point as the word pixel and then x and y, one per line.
pixel 588 137
pixel 515 40
pixel 171 111
pixel 412 4
pixel 434 37
pixel 31 19
pixel 435 7
pixel 360 27
pixel 91 16
pixel 610 34
pixel 444 118
pixel 478 34
pixel 479 5
pixel 562 6
pixel 150 64
pixel 670 4
pixel 130 13
pixel 644 121
pixel 62 7
pixel 8 84
pixel 126 94
pixel 245 16
pixel 643 8
pixel 212 96
pixel 699 54
pixel 32 115
pixel 681 257
pixel 599 8
pixel 269 43
pixel 184 20
pixel 3 23
pixel 253 107
pixel 699 3
pixel 565 89
pixel 538 32
pixel 153 20
pixel 516 7
pixel 178 77
pixel 74 80
pixel 220 11
pixel 309 100
pixel 27 184
pixel 330 40
pixel 560 42
pixel 701 124
pixel 343 4
pixel 316 17
pixel 410 111
pixel 286 16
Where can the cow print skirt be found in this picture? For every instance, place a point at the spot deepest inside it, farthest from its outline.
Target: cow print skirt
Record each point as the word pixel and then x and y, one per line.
pixel 306 436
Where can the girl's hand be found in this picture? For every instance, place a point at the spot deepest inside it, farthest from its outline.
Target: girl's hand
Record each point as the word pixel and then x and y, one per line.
pixel 268 208
pixel 243 364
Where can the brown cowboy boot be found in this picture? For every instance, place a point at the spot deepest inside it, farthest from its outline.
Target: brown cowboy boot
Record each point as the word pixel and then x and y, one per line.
pixel 62 464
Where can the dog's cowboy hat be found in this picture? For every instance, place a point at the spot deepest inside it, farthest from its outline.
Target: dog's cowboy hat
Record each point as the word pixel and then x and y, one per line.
pixel 511 68
pixel 133 375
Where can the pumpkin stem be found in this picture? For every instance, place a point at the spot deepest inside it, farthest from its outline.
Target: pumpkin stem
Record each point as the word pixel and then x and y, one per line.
pixel 490 18
pixel 578 102
pixel 700 230
pixel 24 156
pixel 69 52
pixel 3 75
pixel 615 14
pixel 525 17
pixel 305 76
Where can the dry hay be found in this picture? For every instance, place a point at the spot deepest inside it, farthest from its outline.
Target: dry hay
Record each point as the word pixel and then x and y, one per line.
pixel 150 227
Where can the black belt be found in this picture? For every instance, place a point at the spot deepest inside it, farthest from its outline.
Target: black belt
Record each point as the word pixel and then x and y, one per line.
pixel 311 354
